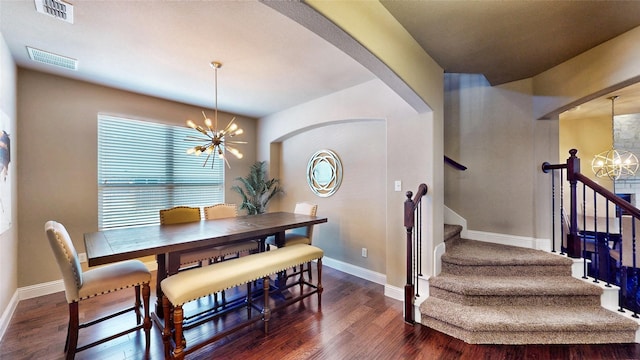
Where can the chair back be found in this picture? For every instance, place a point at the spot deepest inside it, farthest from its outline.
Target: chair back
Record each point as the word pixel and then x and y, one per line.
pixel 66 257
pixel 305 208
pixel 179 215
pixel 220 211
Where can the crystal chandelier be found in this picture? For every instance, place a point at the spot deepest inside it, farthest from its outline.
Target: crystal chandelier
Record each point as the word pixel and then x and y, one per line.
pixel 613 163
pixel 216 141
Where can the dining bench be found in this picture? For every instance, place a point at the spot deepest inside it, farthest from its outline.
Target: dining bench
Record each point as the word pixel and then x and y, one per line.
pixel 197 283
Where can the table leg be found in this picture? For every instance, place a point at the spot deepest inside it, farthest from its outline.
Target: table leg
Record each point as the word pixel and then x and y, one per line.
pixel 161 274
pixel 281 281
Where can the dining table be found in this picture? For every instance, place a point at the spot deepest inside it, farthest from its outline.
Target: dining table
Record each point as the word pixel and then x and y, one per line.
pixel 168 242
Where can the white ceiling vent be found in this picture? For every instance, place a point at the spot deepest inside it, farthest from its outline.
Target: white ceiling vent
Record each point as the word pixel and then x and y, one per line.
pixel 57 9
pixel 52 59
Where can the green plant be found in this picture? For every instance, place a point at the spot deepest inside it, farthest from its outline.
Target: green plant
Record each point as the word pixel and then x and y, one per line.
pixel 258 191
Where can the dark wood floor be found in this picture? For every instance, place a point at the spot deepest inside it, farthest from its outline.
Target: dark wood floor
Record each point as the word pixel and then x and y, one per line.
pixel 357 322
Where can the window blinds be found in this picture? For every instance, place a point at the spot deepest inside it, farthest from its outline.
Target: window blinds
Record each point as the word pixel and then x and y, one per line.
pixel 143 167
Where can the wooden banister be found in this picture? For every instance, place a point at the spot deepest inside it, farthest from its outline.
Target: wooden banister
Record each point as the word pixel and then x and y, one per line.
pixel 411 215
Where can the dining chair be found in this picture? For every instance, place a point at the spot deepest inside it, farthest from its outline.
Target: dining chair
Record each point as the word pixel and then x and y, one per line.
pixel 221 211
pixel 184 214
pixel 301 235
pixel 81 285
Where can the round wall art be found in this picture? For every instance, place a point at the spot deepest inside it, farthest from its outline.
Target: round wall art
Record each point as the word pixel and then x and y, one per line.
pixel 324 173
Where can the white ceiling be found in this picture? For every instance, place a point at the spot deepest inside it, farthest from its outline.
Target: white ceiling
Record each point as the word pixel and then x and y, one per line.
pixel 164 49
pixel 270 62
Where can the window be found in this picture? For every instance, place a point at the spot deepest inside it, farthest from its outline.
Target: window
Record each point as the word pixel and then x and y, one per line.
pixel 143 167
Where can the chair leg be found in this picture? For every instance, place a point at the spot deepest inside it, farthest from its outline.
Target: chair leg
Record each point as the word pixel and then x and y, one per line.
pixel 72 334
pixel 146 294
pixel 138 315
pixel 319 285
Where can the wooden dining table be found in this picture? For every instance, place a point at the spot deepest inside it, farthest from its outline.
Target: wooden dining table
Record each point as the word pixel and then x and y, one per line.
pixel 167 242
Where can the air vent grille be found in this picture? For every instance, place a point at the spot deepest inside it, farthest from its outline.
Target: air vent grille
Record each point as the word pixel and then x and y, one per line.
pixel 57 9
pixel 52 59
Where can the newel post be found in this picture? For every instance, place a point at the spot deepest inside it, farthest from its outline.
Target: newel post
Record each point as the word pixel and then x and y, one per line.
pixel 409 287
pixel 573 240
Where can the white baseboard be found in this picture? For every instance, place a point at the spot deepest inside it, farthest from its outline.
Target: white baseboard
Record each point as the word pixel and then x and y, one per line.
pixel 33 291
pixel 7 314
pixel 360 272
pixel 514 240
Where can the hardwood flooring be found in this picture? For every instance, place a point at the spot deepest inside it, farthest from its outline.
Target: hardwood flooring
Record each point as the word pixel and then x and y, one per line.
pixel 357 322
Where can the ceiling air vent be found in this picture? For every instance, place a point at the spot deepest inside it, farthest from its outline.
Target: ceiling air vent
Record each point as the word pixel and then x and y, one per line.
pixel 52 59
pixel 57 9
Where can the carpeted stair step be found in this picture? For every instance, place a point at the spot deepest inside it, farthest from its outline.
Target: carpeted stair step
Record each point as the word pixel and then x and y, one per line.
pixel 514 290
pixel 451 233
pixel 527 324
pixel 468 257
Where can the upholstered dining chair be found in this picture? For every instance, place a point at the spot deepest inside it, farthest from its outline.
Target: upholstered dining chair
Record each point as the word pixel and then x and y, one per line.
pixel 81 285
pixel 221 211
pixel 301 235
pixel 184 214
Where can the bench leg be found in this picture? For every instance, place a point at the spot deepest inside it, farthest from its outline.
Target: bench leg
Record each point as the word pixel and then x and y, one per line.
pixel 166 332
pixel 319 284
pixel 178 318
pixel 266 311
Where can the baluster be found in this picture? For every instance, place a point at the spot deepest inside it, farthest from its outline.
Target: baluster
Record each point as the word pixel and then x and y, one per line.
pixel 584 226
pixel 562 213
pixel 596 246
pixel 553 213
pixel 634 304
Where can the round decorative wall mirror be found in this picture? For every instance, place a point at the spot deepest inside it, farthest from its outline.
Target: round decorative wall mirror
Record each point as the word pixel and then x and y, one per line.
pixel 324 173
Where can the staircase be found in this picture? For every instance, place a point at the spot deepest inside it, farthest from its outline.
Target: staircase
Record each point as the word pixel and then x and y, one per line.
pixel 497 294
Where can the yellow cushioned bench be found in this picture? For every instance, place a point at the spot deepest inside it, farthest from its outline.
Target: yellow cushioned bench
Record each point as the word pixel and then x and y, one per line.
pixel 197 283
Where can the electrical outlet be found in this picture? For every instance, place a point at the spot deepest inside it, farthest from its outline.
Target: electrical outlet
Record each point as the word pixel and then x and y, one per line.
pixel 364 252
pixel 82 257
pixel 398 185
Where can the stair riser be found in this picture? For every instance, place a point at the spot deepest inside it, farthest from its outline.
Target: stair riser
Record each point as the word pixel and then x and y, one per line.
pixel 506 270
pixel 530 337
pixel 520 300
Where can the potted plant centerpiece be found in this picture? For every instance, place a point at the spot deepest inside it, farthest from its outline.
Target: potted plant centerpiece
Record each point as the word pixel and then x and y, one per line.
pixel 257 191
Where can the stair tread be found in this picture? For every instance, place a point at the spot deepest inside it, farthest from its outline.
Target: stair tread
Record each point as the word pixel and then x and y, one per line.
pixel 479 253
pixel 510 285
pixel 526 318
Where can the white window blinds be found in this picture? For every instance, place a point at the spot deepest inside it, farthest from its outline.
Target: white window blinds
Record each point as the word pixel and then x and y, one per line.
pixel 143 167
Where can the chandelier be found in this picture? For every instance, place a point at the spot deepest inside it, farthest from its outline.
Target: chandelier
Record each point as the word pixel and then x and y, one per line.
pixel 614 163
pixel 216 141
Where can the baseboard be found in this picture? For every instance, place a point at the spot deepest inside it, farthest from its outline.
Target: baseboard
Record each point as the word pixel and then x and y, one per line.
pixel 360 272
pixel 33 291
pixel 7 314
pixel 513 240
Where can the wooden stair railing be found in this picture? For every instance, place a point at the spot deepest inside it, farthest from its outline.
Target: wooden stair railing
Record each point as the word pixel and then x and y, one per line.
pixel 454 163
pixel 607 262
pixel 413 219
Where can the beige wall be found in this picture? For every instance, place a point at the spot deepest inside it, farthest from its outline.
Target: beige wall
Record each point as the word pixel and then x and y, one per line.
pixel 58 153
pixel 492 131
pixel 590 136
pixel 351 121
pixel 357 216
pixel 9 238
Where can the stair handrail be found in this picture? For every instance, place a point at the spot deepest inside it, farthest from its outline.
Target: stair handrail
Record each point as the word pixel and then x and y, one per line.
pixel 454 163
pixel 412 214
